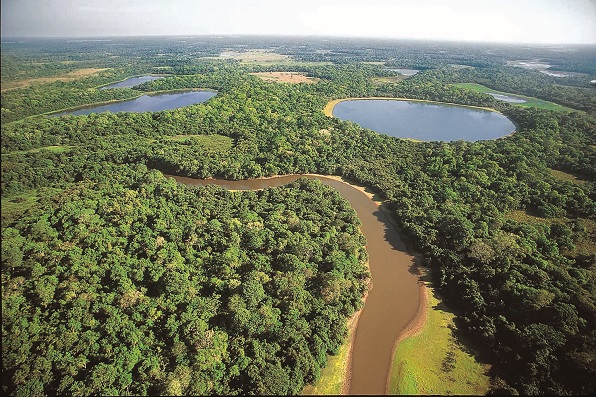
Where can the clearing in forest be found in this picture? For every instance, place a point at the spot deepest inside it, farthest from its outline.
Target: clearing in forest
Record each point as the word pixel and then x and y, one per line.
pixel 255 56
pixel 72 75
pixel 286 77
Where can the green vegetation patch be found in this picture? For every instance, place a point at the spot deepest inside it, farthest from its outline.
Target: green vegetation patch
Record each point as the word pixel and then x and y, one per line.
pixel 530 101
pixel 584 231
pixel 130 284
pixel 16 205
pixel 434 362
pixel 214 143
pixel 333 376
pixel 566 177
pixel 49 149
pixel 387 79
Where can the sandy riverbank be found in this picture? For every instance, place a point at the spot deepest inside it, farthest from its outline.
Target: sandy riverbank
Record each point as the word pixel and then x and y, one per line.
pixel 416 324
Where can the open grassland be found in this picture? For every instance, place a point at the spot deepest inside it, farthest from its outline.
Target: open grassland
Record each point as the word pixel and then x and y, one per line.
pixel 433 361
pixel 585 244
pixel 52 149
pixel 286 77
pixel 264 57
pixel 388 79
pixel 70 76
pixel 530 101
pixel 333 376
pixel 255 56
pixel 565 177
pixel 15 206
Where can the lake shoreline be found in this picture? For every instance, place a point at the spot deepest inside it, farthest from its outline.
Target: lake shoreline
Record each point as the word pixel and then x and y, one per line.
pixel 328 109
pixel 113 101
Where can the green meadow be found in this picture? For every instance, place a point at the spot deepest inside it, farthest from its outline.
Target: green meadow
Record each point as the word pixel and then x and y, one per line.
pixel 530 101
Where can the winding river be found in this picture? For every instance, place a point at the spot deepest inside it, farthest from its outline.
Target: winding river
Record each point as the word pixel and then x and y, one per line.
pixel 393 301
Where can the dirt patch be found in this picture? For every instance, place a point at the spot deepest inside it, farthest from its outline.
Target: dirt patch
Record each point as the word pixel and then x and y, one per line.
pixel 73 75
pixel 285 77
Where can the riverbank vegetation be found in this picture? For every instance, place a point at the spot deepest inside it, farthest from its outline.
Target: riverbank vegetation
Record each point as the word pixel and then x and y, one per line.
pixel 259 285
pixel 433 361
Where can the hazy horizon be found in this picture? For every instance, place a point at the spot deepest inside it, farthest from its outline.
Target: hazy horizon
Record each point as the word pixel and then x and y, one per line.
pixel 548 22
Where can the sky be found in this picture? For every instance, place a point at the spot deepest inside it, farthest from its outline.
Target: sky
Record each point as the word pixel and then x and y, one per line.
pixel 509 21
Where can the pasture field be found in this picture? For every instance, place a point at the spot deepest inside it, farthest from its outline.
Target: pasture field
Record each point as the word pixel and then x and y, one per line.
pixel 530 101
pixel 70 76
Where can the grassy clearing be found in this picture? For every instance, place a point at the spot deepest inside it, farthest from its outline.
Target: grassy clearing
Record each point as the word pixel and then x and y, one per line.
pixel 586 241
pixel 286 77
pixel 565 177
pixel 70 76
pixel 213 143
pixel 264 57
pixel 332 376
pixel 433 361
pixel 255 56
pixel 52 149
pixel 389 79
pixel 14 207
pixel 522 216
pixel 530 101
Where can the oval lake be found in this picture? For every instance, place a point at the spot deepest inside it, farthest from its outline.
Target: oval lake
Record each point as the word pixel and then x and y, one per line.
pixel 148 103
pixel 131 82
pixel 424 121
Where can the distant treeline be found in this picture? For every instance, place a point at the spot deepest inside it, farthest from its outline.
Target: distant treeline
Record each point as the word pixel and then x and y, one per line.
pixel 258 285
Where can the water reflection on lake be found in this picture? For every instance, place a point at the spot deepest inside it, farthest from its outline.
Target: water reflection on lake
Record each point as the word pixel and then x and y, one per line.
pixel 405 72
pixel 148 103
pixel 424 120
pixel 507 98
pixel 131 82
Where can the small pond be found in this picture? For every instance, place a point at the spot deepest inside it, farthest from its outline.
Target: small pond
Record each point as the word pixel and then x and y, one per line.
pixel 148 103
pixel 405 72
pixel 131 82
pixel 425 121
pixel 507 98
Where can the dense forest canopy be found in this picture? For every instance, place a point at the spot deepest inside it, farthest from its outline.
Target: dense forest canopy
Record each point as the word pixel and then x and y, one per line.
pixel 116 280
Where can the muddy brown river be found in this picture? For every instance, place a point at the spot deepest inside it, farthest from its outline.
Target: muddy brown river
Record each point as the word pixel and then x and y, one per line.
pixel 394 298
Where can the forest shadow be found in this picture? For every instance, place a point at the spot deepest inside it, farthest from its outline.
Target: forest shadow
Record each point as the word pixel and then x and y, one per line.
pixel 397 239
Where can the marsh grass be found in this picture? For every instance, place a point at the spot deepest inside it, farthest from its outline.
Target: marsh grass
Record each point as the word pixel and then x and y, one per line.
pixel 332 376
pixel 434 361
pixel 530 101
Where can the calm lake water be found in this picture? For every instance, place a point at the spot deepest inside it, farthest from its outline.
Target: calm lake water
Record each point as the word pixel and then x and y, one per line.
pixel 507 98
pixel 148 103
pixel 131 82
pixel 424 121
pixel 405 72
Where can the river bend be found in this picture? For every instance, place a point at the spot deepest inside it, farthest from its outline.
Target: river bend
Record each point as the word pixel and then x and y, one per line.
pixel 392 302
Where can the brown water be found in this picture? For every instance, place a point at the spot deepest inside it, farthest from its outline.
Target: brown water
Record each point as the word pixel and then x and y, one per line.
pixel 392 302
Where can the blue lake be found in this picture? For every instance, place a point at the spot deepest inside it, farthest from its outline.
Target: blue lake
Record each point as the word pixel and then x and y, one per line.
pixel 424 121
pixel 131 82
pixel 148 103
